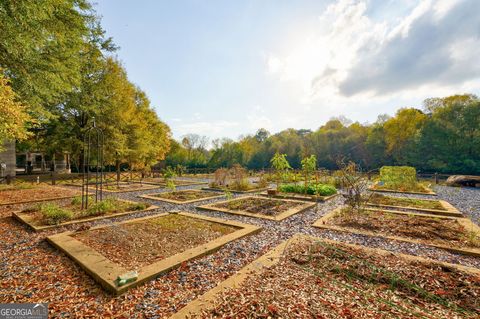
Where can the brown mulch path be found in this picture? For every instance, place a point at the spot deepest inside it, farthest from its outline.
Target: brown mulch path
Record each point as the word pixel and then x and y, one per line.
pixel 428 229
pixel 261 206
pixel 137 244
pixel 320 280
pixel 37 192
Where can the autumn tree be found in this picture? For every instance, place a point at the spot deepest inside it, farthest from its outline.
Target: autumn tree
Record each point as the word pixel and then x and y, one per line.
pixel 13 117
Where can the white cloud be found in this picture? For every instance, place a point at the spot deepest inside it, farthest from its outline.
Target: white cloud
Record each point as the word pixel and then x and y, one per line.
pixel 209 128
pixel 257 118
pixel 434 48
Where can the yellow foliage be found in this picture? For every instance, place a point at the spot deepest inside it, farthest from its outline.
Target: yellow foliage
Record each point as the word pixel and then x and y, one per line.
pixel 13 116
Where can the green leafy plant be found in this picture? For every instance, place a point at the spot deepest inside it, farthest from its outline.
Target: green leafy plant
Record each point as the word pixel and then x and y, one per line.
pixel 309 164
pixel 281 166
pixel 228 195
pixel 401 178
pixel 312 189
pixel 54 214
pixel 77 200
pixel 171 185
pixel 102 207
pixel 138 206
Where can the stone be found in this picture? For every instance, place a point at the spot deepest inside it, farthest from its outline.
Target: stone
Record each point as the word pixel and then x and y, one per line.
pixel 463 180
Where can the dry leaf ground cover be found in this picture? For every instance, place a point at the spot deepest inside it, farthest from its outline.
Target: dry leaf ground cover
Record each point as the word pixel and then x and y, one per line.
pixel 34 192
pixel 260 206
pixel 186 195
pixel 138 244
pixel 316 279
pixel 31 270
pixel 441 231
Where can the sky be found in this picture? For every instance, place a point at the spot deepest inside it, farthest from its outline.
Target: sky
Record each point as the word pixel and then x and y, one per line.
pixel 227 68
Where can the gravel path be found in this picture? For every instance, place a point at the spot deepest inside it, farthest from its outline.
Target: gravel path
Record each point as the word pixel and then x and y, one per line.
pixel 33 271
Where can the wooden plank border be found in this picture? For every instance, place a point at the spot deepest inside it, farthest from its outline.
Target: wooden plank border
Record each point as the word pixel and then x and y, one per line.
pixel 292 211
pixel 26 218
pixel 465 222
pixel 273 257
pixel 173 201
pixel 105 272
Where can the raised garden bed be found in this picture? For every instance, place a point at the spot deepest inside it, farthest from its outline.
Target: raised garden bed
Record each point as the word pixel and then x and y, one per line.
pixel 29 193
pixel 68 212
pixel 307 277
pixel 177 182
pixel 423 190
pixel 184 196
pixel 455 234
pixel 121 187
pixel 261 207
pixel 301 197
pixel 235 191
pixel 400 179
pixel 435 207
pixel 150 245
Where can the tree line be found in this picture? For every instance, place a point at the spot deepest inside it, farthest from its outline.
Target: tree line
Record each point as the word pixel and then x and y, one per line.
pixel 442 136
pixel 58 72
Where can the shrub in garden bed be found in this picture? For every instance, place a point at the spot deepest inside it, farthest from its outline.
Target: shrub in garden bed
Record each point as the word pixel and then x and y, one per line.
pixel 235 179
pixel 311 189
pixel 399 178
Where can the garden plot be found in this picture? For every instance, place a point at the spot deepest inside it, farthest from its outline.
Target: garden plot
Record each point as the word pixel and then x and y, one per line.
pixel 69 211
pixel 414 205
pixel 419 190
pixel 251 188
pixel 451 233
pixel 312 192
pixel 184 196
pixel 307 277
pixel 178 182
pixel 150 246
pixel 261 207
pixel 400 179
pixel 120 187
pixel 26 193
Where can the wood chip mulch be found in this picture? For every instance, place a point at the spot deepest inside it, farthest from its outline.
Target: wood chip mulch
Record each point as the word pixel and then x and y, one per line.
pixel 435 230
pixel 137 244
pixel 186 195
pixel 261 206
pixel 37 192
pixel 319 280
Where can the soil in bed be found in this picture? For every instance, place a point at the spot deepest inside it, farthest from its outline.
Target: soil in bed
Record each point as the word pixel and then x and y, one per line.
pixel 186 195
pixel 33 192
pixel 429 229
pixel 138 244
pixel 261 206
pixel 405 202
pixel 315 279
